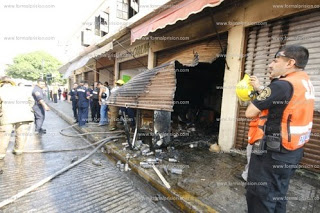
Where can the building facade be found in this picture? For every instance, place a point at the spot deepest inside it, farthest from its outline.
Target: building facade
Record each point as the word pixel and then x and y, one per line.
pixel 212 43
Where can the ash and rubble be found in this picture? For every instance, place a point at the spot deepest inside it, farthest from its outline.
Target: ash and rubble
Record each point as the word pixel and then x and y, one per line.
pixel 190 164
pixel 169 156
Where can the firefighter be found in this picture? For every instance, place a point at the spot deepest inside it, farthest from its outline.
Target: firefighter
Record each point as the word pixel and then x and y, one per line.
pixel 40 106
pixel 72 98
pixel 290 105
pixel 14 99
pixel 83 96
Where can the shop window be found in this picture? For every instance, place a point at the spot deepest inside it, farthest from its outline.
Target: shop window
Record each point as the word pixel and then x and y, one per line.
pixel 127 8
pixel 86 37
pixel 97 25
pixel 104 23
pixel 134 8
pixel 101 24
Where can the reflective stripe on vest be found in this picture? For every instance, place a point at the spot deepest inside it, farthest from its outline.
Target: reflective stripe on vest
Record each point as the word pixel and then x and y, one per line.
pixel 297 117
pixel 80 90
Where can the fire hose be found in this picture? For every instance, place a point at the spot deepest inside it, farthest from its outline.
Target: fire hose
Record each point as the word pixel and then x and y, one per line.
pixel 87 133
pixel 100 144
pixel 61 171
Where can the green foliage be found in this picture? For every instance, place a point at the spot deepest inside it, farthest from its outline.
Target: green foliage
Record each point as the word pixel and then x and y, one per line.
pixel 35 65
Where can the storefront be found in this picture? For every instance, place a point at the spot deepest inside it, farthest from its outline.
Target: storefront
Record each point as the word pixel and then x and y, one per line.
pixel 200 76
pixel 89 72
pixel 105 70
pixel 78 75
pixel 132 61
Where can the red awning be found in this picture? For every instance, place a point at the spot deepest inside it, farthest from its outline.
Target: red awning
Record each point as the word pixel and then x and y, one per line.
pixel 175 13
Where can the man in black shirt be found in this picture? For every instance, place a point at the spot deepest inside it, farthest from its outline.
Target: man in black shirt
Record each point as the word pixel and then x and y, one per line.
pixel 95 110
pixel 73 99
pixel 83 96
pixel 271 168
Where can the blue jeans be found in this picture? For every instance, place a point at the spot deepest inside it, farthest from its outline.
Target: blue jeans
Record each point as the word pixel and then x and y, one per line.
pixel 103 115
pixel 83 115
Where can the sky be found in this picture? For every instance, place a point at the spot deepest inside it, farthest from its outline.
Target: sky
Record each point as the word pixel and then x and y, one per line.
pixel 31 25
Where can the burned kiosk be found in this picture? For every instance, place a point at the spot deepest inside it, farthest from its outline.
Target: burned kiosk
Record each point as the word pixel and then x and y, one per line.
pixel 175 103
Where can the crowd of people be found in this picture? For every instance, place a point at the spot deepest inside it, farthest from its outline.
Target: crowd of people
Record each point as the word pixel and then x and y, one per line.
pixel 56 93
pixel 95 97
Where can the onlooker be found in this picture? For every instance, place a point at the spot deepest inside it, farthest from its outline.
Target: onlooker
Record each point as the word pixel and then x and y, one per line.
pixel 55 93
pixel 59 93
pixel 40 106
pixel 65 94
pixel 51 95
pixel 103 96
pixel 14 99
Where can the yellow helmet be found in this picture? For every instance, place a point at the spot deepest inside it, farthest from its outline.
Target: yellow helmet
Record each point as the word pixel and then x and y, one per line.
pixel 244 90
pixel 120 82
pixel 2 82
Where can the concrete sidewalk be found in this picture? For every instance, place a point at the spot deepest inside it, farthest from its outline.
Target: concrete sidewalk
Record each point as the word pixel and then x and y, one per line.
pixel 208 182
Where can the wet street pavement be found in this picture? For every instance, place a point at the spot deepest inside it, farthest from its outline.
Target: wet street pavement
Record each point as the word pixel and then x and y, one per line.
pixel 84 188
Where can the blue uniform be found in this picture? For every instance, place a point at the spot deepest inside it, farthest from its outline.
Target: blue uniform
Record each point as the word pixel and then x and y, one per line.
pixel 74 100
pixel 91 101
pixel 83 105
pixel 39 112
pixel 95 107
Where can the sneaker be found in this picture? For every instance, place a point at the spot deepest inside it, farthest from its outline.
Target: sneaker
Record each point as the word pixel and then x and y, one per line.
pixel 113 128
pixel 102 124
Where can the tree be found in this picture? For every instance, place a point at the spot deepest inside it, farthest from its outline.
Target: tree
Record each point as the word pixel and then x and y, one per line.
pixel 35 65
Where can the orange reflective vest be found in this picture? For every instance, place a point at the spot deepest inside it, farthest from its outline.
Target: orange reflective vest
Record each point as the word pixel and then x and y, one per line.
pixel 256 127
pixel 297 117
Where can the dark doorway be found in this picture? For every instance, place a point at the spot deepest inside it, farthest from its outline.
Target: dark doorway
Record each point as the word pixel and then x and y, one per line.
pixel 198 100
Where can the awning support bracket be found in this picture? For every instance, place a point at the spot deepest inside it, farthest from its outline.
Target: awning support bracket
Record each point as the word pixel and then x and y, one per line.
pixel 217 33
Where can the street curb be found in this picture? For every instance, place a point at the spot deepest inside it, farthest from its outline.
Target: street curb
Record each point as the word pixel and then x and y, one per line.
pixel 183 199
